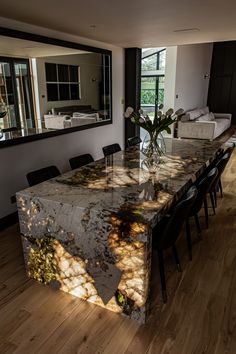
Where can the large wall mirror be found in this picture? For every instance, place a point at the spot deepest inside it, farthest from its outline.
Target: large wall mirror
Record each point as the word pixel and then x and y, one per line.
pixel 50 87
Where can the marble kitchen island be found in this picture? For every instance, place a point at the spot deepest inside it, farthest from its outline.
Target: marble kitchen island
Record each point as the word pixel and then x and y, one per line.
pixel 88 232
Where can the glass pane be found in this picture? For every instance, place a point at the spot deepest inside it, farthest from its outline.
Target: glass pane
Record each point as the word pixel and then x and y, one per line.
pixel 74 91
pixel 51 72
pixel 162 60
pixel 52 92
pixel 6 97
pixel 148 94
pixel 161 90
pixel 74 73
pixel 149 63
pixel 23 94
pixel 64 92
pixel 63 73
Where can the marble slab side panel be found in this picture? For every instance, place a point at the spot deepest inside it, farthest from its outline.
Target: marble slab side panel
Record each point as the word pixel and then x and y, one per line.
pixel 99 256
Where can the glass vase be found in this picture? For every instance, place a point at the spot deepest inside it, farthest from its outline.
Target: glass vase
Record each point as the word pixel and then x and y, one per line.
pixel 153 145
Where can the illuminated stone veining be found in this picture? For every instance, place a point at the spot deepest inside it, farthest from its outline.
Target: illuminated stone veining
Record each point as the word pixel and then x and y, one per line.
pixel 92 226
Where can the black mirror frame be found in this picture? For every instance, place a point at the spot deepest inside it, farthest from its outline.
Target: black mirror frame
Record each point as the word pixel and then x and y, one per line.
pixel 7 32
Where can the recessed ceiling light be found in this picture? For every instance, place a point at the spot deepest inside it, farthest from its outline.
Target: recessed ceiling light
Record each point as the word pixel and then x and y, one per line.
pixel 187 30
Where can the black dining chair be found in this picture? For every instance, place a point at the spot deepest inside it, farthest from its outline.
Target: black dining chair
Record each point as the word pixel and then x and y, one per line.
pixel 81 160
pixel 167 231
pixel 135 140
pixel 203 188
pixel 230 149
pixel 217 185
pixel 41 175
pixel 111 149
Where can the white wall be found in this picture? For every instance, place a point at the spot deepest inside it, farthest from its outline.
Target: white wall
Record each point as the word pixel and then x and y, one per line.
pixel 170 81
pixel 193 62
pixel 170 77
pixel 17 160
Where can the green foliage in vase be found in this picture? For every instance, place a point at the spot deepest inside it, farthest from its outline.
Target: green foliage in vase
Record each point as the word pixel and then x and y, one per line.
pixel 161 122
pixel 41 263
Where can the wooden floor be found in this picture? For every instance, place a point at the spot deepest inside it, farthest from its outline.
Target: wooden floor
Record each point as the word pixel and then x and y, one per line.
pixel 199 317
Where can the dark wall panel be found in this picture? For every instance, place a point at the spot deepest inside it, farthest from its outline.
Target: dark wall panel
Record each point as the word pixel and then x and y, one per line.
pixel 132 87
pixel 222 87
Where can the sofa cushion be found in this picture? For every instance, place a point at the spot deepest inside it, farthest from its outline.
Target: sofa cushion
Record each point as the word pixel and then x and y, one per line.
pixel 206 117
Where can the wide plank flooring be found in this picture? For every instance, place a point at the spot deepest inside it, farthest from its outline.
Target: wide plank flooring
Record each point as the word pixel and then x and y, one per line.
pixel 199 317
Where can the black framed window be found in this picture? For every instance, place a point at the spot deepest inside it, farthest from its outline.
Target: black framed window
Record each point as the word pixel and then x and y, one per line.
pixel 152 80
pixel 63 82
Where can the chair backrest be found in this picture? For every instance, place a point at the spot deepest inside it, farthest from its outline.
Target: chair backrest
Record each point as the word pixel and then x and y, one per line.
pixel 176 220
pixel 135 140
pixel 41 175
pixel 81 160
pixel 203 187
pixel 230 149
pixel 111 149
pixel 221 164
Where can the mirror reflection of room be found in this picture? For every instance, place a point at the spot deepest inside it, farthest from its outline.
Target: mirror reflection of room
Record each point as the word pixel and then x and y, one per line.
pixel 45 87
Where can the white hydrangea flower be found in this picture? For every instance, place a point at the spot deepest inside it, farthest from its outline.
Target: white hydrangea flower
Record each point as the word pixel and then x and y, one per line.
pixel 141 120
pixel 147 118
pixel 132 120
pixel 140 111
pixel 128 112
pixel 160 106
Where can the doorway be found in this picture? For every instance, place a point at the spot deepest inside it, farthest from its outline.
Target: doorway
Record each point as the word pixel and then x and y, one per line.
pixel 16 94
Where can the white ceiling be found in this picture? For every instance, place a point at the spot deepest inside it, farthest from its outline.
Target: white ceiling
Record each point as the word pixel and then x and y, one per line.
pixel 131 23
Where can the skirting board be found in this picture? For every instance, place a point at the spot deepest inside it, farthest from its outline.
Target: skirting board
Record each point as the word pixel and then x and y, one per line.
pixel 8 220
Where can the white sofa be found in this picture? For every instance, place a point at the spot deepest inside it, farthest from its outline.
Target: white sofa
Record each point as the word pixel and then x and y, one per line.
pixel 198 124
pixel 53 121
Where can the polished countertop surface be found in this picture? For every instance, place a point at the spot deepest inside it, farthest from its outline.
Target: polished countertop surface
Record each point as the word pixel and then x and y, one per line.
pixel 122 184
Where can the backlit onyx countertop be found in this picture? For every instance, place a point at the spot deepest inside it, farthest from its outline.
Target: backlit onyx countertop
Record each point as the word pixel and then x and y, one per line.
pixel 90 230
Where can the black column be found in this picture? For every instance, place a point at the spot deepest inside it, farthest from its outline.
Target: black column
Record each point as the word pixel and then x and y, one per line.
pixel 132 87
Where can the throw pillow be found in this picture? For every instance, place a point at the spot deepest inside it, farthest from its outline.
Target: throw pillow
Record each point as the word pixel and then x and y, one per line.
pixel 206 118
pixel 194 114
pixel 184 118
pixel 204 110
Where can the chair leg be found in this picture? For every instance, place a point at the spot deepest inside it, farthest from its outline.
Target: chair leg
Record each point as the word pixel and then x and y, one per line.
pixel 215 197
pixel 197 225
pixel 212 202
pixel 189 240
pixel 176 256
pixel 206 211
pixel 162 275
pixel 221 189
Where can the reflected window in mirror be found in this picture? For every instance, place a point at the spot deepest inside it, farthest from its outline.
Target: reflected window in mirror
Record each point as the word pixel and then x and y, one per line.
pixel 63 82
